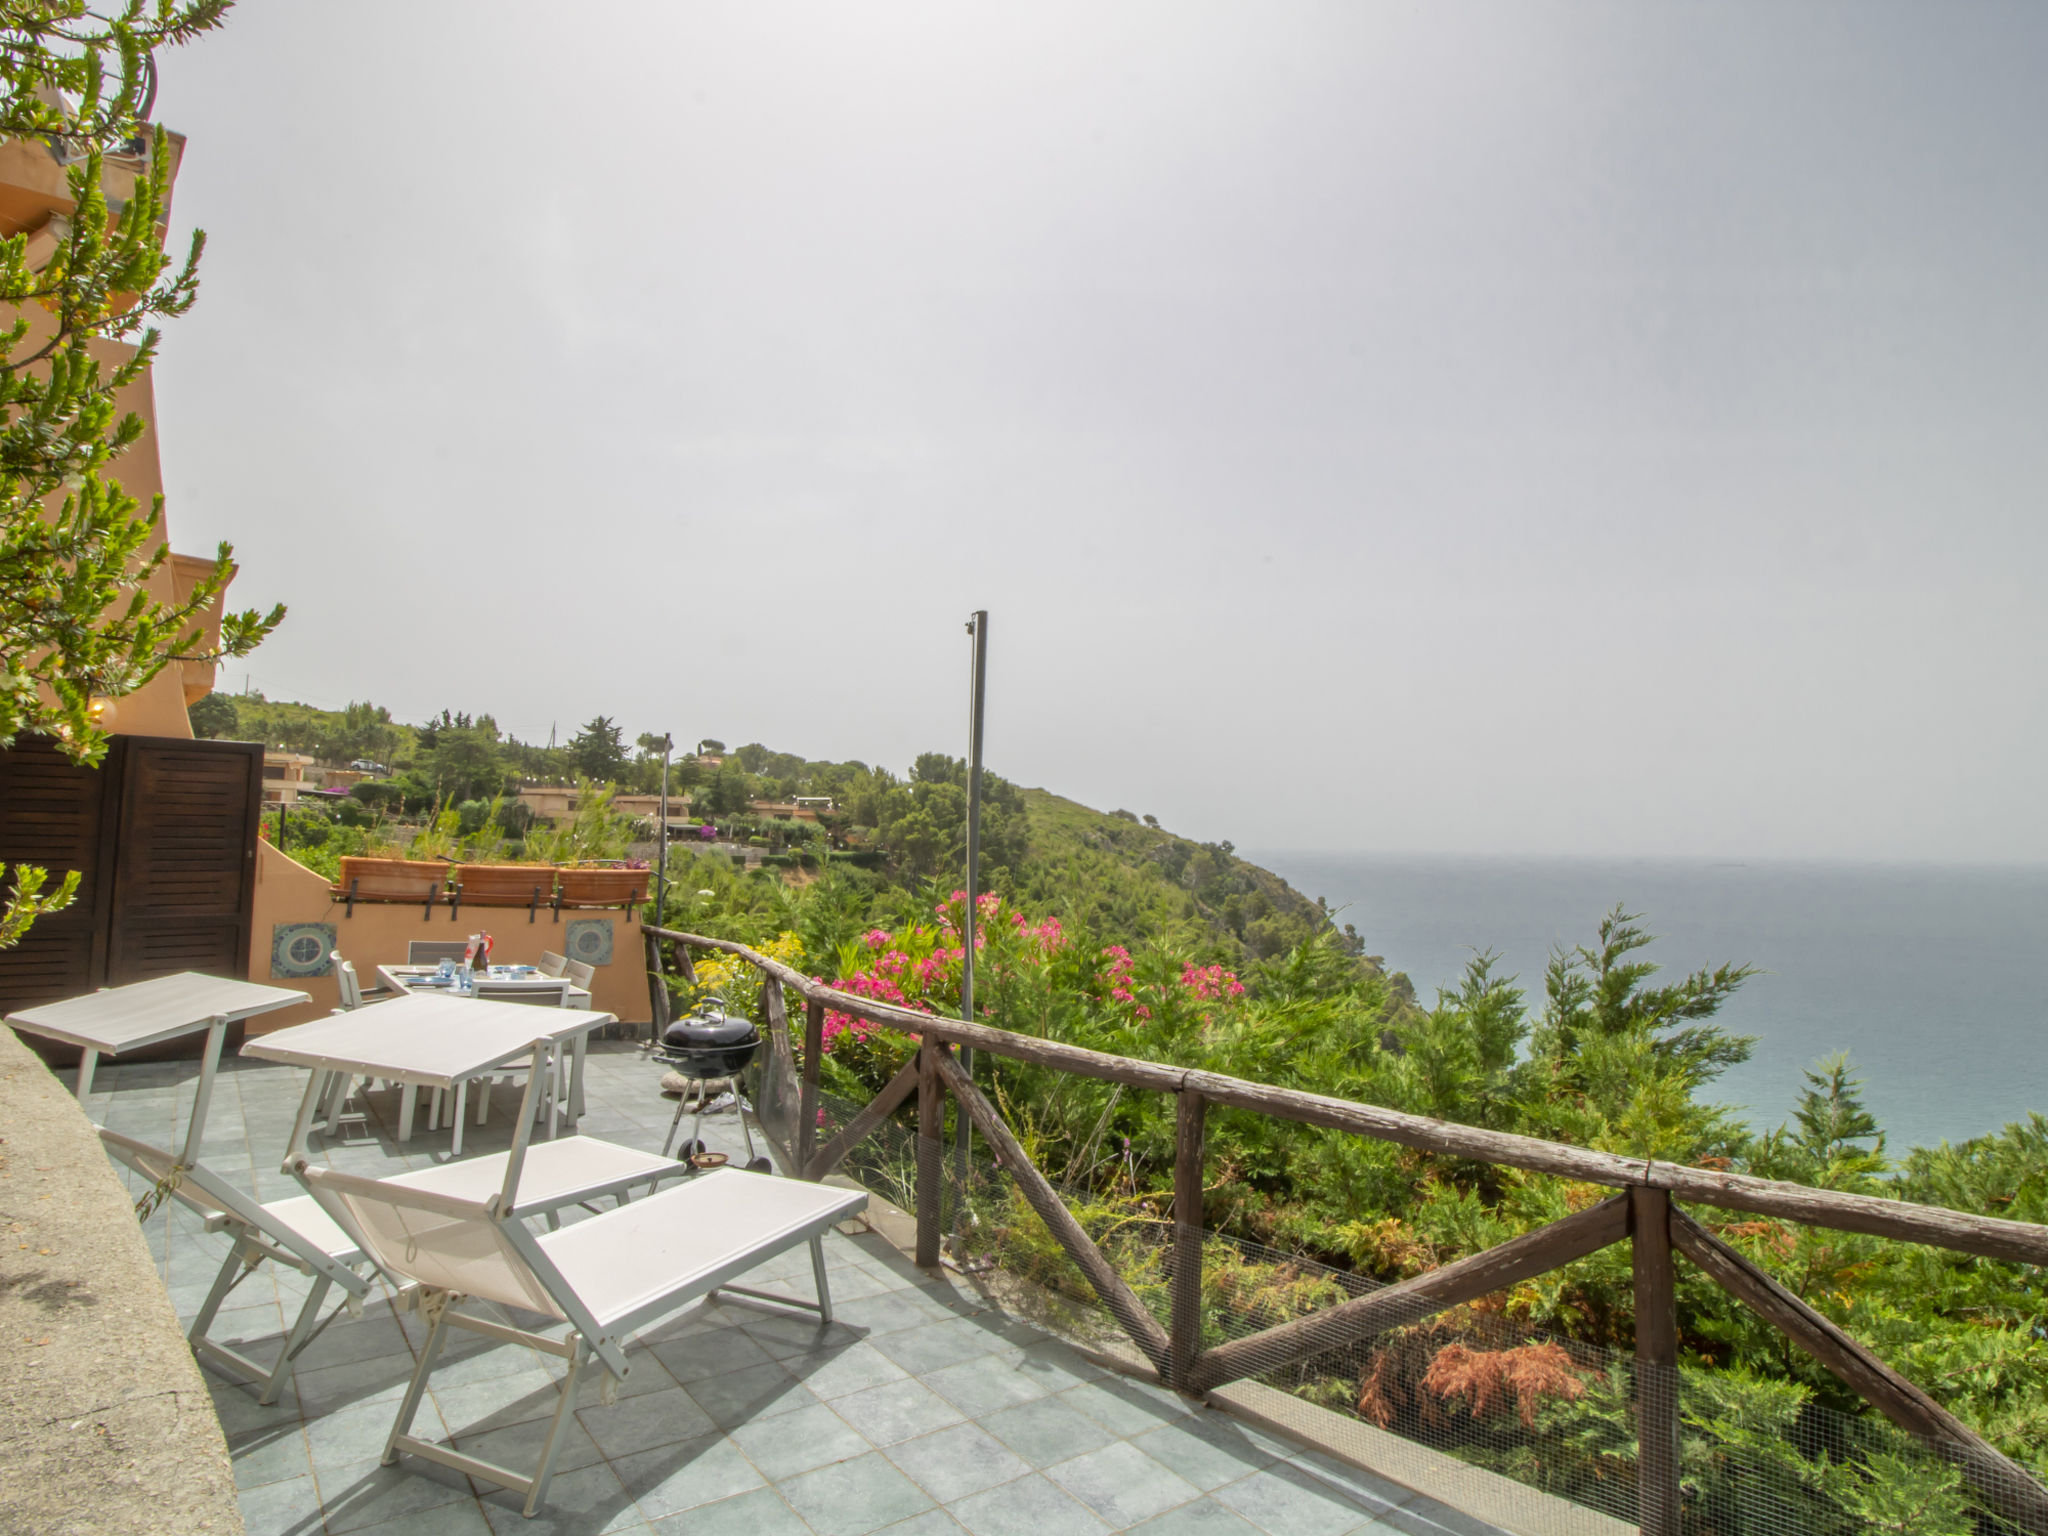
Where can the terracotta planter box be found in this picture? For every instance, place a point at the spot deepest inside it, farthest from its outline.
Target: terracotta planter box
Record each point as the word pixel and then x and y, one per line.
pixel 506 885
pixel 603 887
pixel 391 879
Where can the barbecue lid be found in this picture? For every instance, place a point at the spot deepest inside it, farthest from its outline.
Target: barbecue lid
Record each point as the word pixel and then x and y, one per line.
pixel 710 1025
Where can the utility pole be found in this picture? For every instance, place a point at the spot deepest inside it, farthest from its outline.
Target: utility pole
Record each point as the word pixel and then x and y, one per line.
pixel 661 857
pixel 963 1130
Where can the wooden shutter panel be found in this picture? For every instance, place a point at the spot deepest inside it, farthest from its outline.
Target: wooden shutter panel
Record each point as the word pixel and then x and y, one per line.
pixel 184 880
pixel 52 814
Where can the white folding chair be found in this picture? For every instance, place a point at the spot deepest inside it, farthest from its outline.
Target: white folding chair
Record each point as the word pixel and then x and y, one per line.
pixel 584 975
pixel 604 1277
pixel 434 951
pixel 352 997
pixel 552 964
pixel 294 1232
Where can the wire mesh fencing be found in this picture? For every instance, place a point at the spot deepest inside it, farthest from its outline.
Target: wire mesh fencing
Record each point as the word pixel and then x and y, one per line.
pixel 1549 1424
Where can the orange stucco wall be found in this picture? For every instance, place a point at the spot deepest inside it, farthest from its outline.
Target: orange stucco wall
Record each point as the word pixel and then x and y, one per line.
pixel 378 933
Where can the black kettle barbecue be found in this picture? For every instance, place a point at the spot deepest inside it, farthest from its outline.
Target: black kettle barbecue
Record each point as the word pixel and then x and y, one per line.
pixel 706 1043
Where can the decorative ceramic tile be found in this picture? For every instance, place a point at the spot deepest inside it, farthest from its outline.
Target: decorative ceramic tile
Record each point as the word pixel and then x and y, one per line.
pixel 306 949
pixel 589 939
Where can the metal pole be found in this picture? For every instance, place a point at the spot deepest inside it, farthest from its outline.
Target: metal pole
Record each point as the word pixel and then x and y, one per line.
pixel 661 853
pixel 963 1131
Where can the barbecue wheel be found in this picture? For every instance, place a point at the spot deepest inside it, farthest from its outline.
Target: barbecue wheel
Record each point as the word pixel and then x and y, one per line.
pixel 690 1149
pixel 760 1165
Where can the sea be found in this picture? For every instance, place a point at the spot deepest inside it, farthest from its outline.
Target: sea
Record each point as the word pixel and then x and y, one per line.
pixel 1927 975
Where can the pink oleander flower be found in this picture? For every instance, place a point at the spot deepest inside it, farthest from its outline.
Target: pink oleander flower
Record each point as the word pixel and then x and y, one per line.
pixel 1210 982
pixel 877 939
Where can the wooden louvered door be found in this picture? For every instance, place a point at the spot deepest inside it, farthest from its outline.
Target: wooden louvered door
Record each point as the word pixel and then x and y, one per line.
pixel 184 874
pixel 54 814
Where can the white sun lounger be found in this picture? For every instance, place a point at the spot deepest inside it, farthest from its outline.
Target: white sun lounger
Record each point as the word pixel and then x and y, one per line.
pixel 298 1232
pixel 604 1277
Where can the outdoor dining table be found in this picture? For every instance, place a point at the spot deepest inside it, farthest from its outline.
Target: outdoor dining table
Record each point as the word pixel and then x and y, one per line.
pixel 426 1042
pixel 425 978
pixel 144 1013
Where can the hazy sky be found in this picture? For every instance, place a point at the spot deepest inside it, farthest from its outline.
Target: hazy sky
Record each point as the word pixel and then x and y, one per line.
pixel 1519 428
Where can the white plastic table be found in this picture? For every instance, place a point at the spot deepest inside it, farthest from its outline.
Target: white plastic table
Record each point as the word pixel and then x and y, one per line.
pixel 427 1042
pixel 128 1018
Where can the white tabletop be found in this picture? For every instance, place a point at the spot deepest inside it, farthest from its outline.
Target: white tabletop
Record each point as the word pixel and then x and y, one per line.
pixel 150 1012
pixel 433 1041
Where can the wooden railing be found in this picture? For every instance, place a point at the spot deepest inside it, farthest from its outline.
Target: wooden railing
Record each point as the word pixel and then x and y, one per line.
pixel 1644 1211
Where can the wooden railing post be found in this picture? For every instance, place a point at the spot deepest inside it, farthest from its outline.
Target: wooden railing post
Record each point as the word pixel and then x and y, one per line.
pixel 931 1109
pixel 807 1094
pixel 1657 1488
pixel 1185 1324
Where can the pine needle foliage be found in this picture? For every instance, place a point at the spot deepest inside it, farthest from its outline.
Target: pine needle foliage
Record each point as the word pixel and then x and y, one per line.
pixel 76 551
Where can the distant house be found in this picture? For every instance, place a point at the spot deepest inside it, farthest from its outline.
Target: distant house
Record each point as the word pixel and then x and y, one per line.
pixel 549 802
pixel 647 808
pixel 284 776
pixel 801 809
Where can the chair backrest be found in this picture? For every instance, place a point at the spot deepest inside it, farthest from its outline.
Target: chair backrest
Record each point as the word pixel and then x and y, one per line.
pixel 198 1188
pixel 436 1240
pixel 347 983
pixel 552 964
pixel 538 996
pixel 434 951
pixel 583 975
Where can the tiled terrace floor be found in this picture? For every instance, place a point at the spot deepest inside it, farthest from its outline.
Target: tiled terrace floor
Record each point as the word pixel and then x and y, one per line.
pixel 921 1411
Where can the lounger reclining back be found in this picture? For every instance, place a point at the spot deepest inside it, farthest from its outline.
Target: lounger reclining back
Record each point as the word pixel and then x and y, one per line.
pixel 296 1232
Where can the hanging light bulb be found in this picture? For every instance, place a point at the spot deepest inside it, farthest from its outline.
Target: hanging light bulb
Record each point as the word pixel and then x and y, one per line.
pixel 102 710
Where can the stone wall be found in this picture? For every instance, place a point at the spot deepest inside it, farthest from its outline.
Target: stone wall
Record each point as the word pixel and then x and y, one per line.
pixel 105 1422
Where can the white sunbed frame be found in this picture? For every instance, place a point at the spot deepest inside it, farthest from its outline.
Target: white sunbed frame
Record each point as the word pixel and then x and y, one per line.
pixel 261 1232
pixel 517 1271
pixel 301 1232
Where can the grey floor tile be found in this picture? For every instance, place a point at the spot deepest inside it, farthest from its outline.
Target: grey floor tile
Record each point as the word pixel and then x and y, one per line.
pixel 1286 1499
pixel 240 1413
pixel 890 1312
pixel 933 1522
pixel 790 1443
pixel 289 1508
pixel 1030 1506
pixel 365 1494
pixel 1125 1407
pixel 583 1501
pixel 448 1520
pixel 902 1410
pixel 348 1386
pixel 760 1513
pixel 741 1397
pixel 985 1385
pixel 1204 1517
pixel 1366 1489
pixel 269 1455
pixel 644 1421
pixel 936 1345
pixel 704 1353
pixel 786 1335
pixel 1122 1484
pixel 842 1372
pixel 358 1434
pixel 679 1477
pixel 518 1446
pixel 1046 1431
pixel 1208 1449
pixel 477 1405
pixel 852 1498
pixel 952 1463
